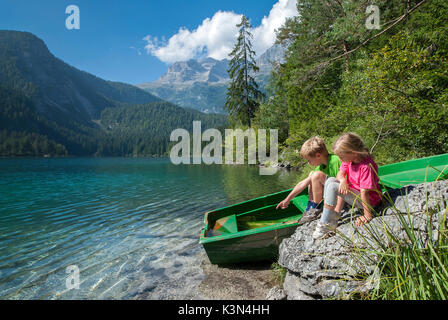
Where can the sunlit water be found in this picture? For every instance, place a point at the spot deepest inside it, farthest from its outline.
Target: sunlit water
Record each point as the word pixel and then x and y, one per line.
pixel 131 226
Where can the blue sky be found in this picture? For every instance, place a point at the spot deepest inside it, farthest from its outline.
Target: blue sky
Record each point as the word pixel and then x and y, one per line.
pixel 110 42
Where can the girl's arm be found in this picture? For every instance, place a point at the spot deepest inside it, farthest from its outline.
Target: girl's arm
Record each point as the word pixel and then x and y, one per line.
pixel 366 208
pixel 343 185
pixel 367 184
pixel 298 189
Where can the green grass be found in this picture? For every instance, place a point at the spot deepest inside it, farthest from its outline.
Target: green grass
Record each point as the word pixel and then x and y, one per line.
pixel 278 274
pixel 413 267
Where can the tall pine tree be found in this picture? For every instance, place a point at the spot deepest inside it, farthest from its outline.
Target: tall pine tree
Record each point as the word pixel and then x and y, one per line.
pixel 243 95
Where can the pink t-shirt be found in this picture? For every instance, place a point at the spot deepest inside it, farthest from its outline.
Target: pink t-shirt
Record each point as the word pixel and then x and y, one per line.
pixel 363 175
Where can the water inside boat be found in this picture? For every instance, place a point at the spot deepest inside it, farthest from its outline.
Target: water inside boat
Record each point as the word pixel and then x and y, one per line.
pixel 254 219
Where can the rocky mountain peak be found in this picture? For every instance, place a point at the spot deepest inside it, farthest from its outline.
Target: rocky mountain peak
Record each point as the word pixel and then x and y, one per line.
pixel 205 70
pixel 202 84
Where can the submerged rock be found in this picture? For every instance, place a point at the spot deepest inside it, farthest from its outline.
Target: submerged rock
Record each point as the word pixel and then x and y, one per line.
pixel 333 268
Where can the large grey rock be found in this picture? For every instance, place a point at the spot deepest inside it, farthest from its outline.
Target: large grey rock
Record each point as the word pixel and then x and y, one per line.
pixel 333 267
pixel 297 288
pixel 276 294
pixel 425 197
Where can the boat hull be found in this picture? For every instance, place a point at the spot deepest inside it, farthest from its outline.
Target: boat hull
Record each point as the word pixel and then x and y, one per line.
pixel 257 232
pixel 259 246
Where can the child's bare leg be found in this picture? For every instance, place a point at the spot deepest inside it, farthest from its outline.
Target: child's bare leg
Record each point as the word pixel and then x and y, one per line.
pixel 311 203
pixel 317 185
pixel 315 195
pixel 310 189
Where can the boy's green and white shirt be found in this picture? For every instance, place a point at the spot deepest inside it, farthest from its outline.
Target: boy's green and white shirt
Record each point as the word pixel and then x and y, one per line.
pixel 332 169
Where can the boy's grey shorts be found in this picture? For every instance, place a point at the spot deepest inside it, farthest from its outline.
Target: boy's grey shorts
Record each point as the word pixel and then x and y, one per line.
pixel 331 193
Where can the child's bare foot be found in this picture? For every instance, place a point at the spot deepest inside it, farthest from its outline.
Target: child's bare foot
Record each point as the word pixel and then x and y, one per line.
pixel 362 220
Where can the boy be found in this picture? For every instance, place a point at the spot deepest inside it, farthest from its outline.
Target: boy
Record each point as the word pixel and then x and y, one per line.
pixel 327 165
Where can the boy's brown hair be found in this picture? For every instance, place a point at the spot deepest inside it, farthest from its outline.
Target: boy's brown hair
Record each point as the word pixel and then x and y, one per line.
pixel 313 146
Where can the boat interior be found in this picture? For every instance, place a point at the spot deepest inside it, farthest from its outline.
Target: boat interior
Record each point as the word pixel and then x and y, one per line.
pixel 252 219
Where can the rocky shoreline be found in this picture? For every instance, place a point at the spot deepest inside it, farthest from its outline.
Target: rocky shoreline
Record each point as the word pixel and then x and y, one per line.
pixel 236 282
pixel 330 268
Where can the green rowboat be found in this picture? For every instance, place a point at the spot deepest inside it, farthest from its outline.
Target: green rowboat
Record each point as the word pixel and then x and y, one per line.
pixel 416 171
pixel 253 230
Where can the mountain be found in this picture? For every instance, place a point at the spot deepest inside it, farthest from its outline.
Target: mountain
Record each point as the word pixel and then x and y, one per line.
pixel 199 85
pixel 202 84
pixel 50 107
pixel 191 71
pixel 58 89
pixel 204 96
pixel 274 55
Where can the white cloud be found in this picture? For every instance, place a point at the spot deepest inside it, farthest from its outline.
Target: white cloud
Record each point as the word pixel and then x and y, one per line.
pixel 264 34
pixel 216 37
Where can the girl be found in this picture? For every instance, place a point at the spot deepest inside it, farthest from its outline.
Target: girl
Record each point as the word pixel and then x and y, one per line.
pixel 357 183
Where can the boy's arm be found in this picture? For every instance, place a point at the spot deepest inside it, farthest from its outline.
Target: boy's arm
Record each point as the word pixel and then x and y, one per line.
pixel 297 190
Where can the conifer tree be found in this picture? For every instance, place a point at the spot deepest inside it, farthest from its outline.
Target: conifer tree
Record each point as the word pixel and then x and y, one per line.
pixel 243 95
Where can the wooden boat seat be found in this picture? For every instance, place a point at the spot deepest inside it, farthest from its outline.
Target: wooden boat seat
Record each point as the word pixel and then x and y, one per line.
pixel 223 226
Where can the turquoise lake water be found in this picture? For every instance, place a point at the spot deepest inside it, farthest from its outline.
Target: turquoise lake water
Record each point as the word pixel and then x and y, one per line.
pixel 130 226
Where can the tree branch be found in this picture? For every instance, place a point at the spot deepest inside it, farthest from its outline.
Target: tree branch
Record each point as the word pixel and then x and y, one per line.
pixel 375 36
pixel 379 134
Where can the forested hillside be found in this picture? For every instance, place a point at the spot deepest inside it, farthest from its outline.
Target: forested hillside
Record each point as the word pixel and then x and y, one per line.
pixel 388 85
pixel 146 129
pixel 48 107
pixel 126 130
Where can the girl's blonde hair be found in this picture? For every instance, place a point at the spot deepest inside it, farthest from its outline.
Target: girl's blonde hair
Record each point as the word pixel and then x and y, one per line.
pixel 350 143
